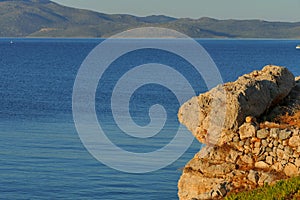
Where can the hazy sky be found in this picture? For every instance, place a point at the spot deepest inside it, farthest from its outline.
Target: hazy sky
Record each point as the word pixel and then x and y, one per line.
pixel 272 10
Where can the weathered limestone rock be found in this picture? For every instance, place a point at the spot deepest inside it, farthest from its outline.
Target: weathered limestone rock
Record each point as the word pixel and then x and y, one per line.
pixel 245 154
pixel 290 169
pixel 274 132
pixel 266 178
pixel 284 134
pixel 247 159
pixel 262 165
pixel 211 115
pixel 253 176
pixel 294 141
pixel 197 186
pixel 247 130
pixel 262 134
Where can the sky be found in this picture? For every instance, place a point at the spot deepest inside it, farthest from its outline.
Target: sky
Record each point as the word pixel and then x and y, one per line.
pixel 270 10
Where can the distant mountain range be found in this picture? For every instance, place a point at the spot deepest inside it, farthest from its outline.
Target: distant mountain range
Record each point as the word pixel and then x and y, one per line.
pixel 44 18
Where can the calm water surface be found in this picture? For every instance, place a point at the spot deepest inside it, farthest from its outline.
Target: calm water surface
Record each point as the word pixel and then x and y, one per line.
pixel 41 155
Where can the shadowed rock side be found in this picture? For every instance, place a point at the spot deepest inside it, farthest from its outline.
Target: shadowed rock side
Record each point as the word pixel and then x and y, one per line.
pixel 244 154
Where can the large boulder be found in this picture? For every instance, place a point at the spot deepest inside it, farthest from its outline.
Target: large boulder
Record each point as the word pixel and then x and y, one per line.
pixel 212 116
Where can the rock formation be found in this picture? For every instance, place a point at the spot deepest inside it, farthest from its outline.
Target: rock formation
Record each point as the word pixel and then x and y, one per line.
pixel 225 108
pixel 240 153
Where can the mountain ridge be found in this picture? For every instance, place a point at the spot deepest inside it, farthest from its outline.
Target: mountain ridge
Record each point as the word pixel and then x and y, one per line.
pixel 45 18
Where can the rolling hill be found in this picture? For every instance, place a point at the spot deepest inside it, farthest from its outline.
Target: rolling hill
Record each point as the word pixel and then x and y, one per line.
pixel 44 18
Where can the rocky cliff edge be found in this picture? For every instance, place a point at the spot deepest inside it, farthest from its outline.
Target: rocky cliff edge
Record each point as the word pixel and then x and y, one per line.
pixel 247 145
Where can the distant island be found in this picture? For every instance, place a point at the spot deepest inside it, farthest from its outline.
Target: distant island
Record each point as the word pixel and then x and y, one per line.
pixel 44 18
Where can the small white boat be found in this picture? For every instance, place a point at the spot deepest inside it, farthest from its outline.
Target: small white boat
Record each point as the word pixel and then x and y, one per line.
pixel 298 46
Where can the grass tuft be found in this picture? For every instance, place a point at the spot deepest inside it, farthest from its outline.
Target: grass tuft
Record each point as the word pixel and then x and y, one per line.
pixel 282 190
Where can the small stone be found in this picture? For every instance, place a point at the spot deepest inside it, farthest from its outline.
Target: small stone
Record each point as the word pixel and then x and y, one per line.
pixel 280 153
pixel 254 139
pixel 264 143
pixel 292 160
pixel 297 162
pixel 262 133
pixel 294 141
pixel 255 73
pixel 262 178
pixel 283 162
pixel 261 165
pixel 247 131
pixel 284 134
pixel 203 196
pixel 256 151
pixel 269 160
pixel 238 147
pixel 232 156
pixel 262 150
pixel 236 139
pixel 247 159
pixel 285 142
pixel 271 178
pixel 277 167
pixel 223 191
pixel 270 145
pixel 268 149
pixel 296 131
pixel 275 143
pixel 249 119
pixel 214 195
pixel 288 150
pixel 257 144
pixel 272 154
pixel 290 170
pixel 253 176
pixel 219 191
pixel 241 143
pixel 280 146
pixel 298 149
pixel 274 132
pixel 266 153
pixel 286 157
pixel 261 158
pixel 247 142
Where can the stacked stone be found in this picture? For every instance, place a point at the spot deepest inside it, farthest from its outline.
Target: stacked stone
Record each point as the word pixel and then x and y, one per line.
pixel 253 158
pixel 270 148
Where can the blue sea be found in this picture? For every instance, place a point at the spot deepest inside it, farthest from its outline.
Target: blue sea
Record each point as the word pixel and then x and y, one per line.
pixel 42 155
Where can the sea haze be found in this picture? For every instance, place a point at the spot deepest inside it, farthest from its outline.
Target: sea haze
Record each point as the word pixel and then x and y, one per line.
pixel 42 156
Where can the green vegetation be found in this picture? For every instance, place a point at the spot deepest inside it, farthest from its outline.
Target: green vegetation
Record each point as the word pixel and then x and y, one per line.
pixel 282 190
pixel 44 18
